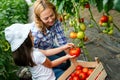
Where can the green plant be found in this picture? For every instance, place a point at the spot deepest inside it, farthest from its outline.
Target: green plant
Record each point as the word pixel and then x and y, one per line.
pixel 11 11
pixel 75 9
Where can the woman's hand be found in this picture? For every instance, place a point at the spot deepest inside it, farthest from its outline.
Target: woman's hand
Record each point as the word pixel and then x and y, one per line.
pixel 67 46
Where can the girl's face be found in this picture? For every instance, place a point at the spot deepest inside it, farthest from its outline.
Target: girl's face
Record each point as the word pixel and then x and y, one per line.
pixel 48 16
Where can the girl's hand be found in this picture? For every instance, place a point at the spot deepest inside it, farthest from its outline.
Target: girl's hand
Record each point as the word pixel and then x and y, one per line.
pixel 68 45
pixel 69 56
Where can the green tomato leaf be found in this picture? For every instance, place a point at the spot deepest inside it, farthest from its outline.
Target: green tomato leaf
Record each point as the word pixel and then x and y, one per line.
pixel 61 6
pixel 99 5
pixel 116 5
pixel 107 5
pixel 92 2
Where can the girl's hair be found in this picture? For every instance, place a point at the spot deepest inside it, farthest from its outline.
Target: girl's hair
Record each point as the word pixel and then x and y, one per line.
pixel 22 56
pixel 39 6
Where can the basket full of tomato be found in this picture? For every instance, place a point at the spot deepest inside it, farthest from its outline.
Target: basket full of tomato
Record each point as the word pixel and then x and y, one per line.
pixel 82 70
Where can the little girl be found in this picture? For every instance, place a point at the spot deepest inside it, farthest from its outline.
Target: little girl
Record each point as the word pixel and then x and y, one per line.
pixel 24 54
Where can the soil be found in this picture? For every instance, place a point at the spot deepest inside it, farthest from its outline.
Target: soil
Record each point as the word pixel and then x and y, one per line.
pixel 105 47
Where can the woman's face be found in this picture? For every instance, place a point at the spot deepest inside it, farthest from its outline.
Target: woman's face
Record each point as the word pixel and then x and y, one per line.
pixel 48 17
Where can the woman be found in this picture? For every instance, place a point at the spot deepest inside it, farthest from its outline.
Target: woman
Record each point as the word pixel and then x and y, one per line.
pixel 47 30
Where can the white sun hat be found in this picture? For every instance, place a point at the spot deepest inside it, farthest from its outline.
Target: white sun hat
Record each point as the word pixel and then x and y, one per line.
pixel 16 34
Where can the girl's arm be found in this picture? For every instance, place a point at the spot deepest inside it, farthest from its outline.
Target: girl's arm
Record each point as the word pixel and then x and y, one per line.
pixel 57 62
pixel 50 52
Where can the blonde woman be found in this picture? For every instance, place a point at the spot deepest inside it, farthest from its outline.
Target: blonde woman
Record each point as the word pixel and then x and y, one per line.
pixel 47 30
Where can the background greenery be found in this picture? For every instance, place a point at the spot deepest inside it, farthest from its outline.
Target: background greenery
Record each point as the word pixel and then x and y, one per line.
pixel 11 11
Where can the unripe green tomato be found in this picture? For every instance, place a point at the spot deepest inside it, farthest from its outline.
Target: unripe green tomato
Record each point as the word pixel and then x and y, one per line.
pixel 82 26
pixel 110 32
pixel 80 35
pixel 105 31
pixel 110 18
pixel 90 25
pixel 110 28
pixel 71 23
pixel 104 24
pixel 66 17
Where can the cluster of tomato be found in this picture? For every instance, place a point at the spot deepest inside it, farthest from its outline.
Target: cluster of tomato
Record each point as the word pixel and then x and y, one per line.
pixel 106 22
pixel 64 17
pixel 80 29
pixel 80 73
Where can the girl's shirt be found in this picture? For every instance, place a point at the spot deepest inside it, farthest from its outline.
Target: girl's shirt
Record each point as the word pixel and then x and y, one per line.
pixel 48 41
pixel 40 72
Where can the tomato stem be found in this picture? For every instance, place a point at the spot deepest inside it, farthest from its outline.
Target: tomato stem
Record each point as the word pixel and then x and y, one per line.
pixel 99 30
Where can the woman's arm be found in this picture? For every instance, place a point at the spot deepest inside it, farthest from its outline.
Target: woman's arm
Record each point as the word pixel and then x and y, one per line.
pixel 57 62
pixel 50 52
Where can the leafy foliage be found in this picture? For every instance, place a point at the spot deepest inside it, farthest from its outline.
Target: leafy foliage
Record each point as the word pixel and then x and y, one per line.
pixel 106 5
pixel 11 11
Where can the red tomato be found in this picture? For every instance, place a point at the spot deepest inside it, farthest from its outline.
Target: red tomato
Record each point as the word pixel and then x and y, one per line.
pixel 73 74
pixel 77 72
pixel 75 51
pixel 79 67
pixel 70 78
pixel 89 71
pixel 85 70
pixel 87 5
pixel 81 20
pixel 83 76
pixel 104 18
pixel 76 77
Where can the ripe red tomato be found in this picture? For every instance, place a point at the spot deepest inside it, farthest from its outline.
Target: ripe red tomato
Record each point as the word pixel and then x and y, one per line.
pixel 89 71
pixel 79 67
pixel 104 18
pixel 85 70
pixel 77 72
pixel 75 51
pixel 76 77
pixel 70 78
pixel 61 18
pixel 72 74
pixel 81 20
pixel 87 5
pixel 82 76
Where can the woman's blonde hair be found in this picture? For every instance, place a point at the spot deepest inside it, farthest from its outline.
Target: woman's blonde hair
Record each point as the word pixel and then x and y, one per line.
pixel 39 6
